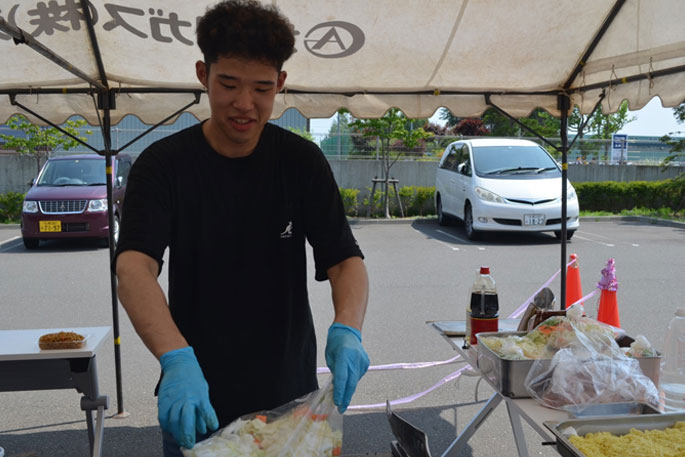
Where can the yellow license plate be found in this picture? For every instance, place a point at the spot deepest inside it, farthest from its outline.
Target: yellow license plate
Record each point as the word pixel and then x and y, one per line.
pixel 50 226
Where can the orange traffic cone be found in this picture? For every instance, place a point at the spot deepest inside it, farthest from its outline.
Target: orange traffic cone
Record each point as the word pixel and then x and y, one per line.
pixel 608 306
pixel 574 290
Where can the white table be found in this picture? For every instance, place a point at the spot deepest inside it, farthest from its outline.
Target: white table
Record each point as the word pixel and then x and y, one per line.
pixel 25 366
pixel 527 409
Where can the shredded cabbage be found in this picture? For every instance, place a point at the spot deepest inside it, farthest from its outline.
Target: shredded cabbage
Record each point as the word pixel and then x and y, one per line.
pixel 547 338
pixel 310 435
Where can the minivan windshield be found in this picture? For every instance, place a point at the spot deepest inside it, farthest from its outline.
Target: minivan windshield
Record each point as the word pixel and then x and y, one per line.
pixel 499 161
pixel 73 172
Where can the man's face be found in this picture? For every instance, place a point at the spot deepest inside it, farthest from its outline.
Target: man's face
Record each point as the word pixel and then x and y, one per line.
pixel 241 98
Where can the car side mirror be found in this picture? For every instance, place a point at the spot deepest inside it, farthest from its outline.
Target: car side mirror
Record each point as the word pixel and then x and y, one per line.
pixel 120 181
pixel 461 168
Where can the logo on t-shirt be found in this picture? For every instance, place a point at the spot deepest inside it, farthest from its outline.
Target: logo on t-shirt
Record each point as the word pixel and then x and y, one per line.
pixel 288 232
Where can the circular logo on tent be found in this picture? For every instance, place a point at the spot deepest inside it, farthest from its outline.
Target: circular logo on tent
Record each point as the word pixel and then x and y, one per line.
pixel 334 40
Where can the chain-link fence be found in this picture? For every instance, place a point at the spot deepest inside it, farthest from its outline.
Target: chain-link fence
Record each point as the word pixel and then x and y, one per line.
pixel 639 150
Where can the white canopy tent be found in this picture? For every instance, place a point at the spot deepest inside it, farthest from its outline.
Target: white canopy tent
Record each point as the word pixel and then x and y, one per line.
pixel 367 56
pixel 137 57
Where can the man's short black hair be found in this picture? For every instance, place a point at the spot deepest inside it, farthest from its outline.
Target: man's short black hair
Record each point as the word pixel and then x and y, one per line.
pixel 245 29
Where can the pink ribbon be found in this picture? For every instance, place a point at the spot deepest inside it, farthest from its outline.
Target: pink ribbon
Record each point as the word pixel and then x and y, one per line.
pixel 411 398
pixel 520 310
pixel 400 366
pixel 454 375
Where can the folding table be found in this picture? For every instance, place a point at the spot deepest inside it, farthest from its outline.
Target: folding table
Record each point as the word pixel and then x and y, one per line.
pixel 24 367
pixel 527 409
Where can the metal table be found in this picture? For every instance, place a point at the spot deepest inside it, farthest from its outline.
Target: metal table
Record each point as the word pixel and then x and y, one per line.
pixel 25 367
pixel 527 409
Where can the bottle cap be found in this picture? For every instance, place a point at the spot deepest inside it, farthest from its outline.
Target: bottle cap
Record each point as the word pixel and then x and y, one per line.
pixel 486 271
pixel 680 312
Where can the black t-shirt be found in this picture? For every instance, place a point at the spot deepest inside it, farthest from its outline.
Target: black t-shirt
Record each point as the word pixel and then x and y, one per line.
pixel 236 231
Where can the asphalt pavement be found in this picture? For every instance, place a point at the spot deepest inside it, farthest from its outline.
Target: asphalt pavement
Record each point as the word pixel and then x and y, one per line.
pixel 418 272
pixel 9 233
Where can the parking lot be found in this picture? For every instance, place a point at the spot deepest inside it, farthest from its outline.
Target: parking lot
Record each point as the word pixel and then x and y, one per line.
pixel 418 271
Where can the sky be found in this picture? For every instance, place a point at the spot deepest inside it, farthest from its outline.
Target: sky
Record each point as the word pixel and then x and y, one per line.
pixel 651 120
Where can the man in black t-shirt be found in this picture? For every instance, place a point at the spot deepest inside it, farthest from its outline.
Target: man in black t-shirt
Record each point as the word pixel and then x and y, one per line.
pixel 235 200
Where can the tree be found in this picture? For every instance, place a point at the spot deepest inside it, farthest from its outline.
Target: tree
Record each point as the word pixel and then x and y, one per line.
pixel 303 133
pixel 575 121
pixel 437 129
pixel 40 142
pixel 440 137
pixel 338 140
pixel 471 127
pixel 446 115
pixel 394 125
pixel 543 123
pixel 676 153
pixel 498 124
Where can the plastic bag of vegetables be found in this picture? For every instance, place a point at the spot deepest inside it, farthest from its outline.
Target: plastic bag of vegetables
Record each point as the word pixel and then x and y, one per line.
pixel 588 367
pixel 309 426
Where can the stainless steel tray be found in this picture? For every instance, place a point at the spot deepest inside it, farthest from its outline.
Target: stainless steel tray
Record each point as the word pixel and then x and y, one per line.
pixel 616 425
pixel 610 409
pixel 508 376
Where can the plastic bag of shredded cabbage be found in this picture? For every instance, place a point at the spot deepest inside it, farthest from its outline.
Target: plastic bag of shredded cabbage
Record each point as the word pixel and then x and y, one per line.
pixel 310 426
pixel 588 367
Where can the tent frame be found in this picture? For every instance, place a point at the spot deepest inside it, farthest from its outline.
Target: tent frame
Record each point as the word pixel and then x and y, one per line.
pixel 106 101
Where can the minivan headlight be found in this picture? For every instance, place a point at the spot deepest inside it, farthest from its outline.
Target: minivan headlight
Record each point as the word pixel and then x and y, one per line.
pixel 571 194
pixel 30 206
pixel 488 196
pixel 97 205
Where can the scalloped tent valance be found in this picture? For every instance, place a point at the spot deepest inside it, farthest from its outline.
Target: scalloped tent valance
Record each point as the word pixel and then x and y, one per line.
pixel 366 56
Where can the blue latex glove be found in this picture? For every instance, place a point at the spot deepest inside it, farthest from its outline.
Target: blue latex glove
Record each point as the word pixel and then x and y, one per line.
pixel 347 360
pixel 183 397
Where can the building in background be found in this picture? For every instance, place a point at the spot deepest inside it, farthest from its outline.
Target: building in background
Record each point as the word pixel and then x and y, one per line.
pixel 130 127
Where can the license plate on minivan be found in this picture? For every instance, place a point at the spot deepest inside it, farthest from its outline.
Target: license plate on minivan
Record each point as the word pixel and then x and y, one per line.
pixel 533 219
pixel 50 226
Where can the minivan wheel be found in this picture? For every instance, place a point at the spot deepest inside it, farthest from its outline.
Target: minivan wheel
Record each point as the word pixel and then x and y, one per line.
pixel 442 218
pixel 115 232
pixel 471 233
pixel 116 229
pixel 569 234
pixel 31 243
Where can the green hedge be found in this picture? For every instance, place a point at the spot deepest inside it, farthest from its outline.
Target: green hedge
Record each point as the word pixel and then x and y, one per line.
pixel 10 206
pixel 416 201
pixel 593 196
pixel 618 196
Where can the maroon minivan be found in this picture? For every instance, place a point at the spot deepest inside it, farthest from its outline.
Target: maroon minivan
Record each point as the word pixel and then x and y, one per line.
pixel 68 199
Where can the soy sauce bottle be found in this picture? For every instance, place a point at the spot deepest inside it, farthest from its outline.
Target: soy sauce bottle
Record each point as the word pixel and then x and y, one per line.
pixel 483 308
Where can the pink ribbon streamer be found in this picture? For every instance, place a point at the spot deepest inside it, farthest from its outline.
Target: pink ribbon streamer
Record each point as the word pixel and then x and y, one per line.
pixel 411 398
pixel 586 298
pixel 400 366
pixel 521 309
pixel 454 375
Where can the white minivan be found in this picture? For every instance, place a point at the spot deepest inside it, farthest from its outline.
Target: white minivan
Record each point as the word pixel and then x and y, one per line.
pixel 502 185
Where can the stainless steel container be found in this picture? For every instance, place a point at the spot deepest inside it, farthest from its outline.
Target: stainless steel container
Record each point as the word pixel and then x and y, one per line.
pixel 616 425
pixel 508 376
pixel 610 409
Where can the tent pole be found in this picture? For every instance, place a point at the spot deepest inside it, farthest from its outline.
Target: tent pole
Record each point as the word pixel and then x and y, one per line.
pixel 107 136
pixel 564 106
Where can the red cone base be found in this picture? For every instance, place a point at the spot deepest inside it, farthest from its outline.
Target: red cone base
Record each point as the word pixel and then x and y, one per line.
pixel 608 309
pixel 574 289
